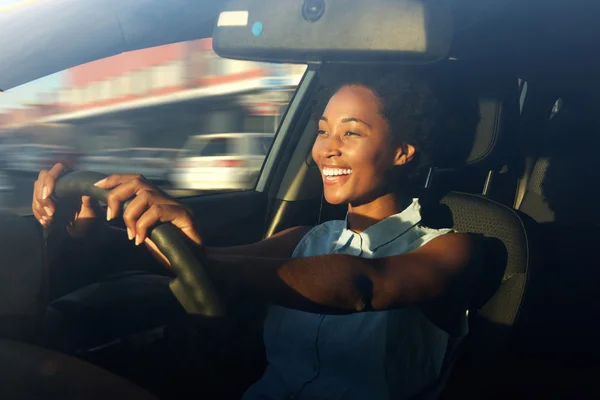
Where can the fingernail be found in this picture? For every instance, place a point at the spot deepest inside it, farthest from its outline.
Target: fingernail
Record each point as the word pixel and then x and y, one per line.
pixel 108 214
pixel 49 211
pixel 45 193
pixel 137 240
pixel 129 234
pixel 101 182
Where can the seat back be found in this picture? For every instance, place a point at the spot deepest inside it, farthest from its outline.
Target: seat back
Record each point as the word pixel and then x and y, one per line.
pixel 499 303
pixel 511 256
pixel 499 296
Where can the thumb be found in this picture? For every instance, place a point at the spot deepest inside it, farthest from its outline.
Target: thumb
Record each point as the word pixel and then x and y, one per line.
pixel 87 210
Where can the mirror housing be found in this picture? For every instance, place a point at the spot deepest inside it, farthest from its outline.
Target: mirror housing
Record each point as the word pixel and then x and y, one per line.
pixel 305 31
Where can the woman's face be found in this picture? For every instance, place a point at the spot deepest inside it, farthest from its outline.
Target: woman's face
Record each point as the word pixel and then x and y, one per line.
pixel 353 149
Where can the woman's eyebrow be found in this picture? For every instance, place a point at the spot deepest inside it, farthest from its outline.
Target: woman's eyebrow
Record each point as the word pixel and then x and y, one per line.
pixel 323 118
pixel 355 120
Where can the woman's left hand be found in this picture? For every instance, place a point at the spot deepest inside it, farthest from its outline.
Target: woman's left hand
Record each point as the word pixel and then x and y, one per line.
pixel 149 206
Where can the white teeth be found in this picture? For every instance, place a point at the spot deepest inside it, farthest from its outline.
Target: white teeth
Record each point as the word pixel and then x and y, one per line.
pixel 336 171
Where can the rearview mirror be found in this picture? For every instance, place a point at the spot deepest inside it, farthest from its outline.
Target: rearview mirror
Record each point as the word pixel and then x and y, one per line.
pixel 301 31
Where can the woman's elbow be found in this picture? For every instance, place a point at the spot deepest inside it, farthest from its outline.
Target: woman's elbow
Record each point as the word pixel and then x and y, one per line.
pixel 394 293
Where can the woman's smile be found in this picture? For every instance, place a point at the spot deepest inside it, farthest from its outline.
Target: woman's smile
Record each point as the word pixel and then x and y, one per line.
pixel 335 174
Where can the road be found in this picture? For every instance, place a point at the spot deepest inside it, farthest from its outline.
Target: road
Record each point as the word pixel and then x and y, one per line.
pixel 18 199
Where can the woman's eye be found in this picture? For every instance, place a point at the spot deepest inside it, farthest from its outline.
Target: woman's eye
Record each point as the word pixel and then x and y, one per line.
pixel 321 132
pixel 352 134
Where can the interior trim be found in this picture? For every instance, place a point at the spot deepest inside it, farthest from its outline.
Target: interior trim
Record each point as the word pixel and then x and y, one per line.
pixel 285 129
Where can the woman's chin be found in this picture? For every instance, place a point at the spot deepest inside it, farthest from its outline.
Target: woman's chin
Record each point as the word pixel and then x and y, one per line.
pixel 335 199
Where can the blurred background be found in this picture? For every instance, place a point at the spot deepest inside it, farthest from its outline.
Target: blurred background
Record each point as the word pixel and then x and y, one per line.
pixel 178 114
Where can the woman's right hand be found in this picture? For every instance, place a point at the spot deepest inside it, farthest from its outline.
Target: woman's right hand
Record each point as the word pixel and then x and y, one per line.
pixel 44 209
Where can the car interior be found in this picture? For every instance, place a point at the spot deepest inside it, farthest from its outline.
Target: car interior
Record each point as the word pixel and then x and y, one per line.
pixel 525 183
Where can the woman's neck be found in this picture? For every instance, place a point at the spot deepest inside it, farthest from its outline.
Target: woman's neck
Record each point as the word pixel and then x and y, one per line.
pixel 363 216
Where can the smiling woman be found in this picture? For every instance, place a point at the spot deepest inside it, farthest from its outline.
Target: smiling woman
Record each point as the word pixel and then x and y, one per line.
pixel 379 128
pixel 383 291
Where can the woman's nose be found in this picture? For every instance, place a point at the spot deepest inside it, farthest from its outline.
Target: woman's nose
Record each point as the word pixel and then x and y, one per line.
pixel 332 146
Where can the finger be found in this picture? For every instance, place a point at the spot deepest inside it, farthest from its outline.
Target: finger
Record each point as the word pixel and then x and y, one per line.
pixel 38 184
pixel 38 211
pixel 122 193
pixel 155 214
pixel 166 213
pixel 35 204
pixel 50 178
pixel 87 204
pixel 138 206
pixel 86 201
pixel 88 208
pixel 185 222
pixel 45 207
pixel 39 215
pixel 117 179
pixel 44 186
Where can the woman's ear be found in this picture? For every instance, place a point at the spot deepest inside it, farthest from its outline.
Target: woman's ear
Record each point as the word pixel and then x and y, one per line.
pixel 404 154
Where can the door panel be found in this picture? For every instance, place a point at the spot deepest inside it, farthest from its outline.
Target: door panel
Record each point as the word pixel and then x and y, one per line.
pixel 229 219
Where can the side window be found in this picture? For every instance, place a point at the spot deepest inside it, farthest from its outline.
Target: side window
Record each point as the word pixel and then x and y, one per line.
pixel 162 111
pixel 261 145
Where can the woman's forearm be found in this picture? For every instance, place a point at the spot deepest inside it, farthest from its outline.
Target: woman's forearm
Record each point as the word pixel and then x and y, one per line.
pixel 332 284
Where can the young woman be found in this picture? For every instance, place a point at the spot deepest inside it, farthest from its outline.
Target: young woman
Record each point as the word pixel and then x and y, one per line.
pixel 368 307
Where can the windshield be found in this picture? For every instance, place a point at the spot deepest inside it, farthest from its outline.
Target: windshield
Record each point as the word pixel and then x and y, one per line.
pixel 136 112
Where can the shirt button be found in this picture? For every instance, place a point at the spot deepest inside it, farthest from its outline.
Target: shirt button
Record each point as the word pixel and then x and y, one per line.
pixel 291 397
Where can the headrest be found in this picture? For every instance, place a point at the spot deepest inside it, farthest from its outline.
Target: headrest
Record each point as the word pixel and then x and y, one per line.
pixel 499 112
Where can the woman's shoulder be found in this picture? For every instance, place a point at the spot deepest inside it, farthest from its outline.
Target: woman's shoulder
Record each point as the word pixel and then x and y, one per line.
pixel 421 234
pixel 319 238
pixel 325 229
pixel 427 233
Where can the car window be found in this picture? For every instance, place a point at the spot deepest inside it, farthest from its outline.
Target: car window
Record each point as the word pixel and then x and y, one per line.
pixel 260 145
pixel 111 114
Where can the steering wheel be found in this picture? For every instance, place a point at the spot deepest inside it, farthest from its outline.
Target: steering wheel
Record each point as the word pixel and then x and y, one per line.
pixel 192 287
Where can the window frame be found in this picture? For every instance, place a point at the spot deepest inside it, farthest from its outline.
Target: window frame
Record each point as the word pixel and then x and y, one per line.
pixel 287 127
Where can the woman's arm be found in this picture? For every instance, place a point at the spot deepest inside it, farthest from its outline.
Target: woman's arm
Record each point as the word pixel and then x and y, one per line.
pixel 150 206
pixel 342 284
pixel 280 245
pixel 336 283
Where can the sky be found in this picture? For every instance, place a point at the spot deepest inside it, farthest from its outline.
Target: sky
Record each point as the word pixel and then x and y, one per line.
pixel 8 5
pixel 27 93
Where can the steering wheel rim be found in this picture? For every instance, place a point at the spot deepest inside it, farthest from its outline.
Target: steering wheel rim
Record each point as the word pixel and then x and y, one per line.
pixel 192 287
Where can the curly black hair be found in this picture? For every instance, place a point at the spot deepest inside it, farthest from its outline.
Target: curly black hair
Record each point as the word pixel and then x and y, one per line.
pixel 432 108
